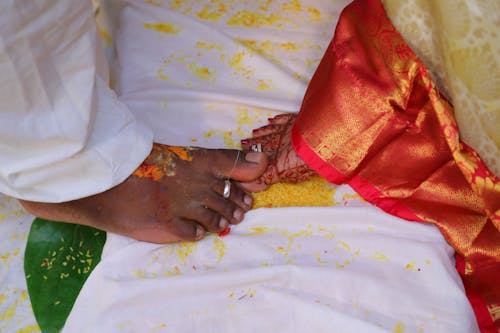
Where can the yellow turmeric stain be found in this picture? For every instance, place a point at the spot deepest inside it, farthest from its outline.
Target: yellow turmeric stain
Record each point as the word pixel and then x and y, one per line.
pixel 344 245
pixel 316 192
pixel 289 46
pixel 182 152
pixel 263 85
pixel 184 250
pixel 247 18
pixel 208 14
pixel 235 61
pixel 243 117
pixel 164 28
pixel 105 36
pixel 29 329
pixel 202 72
pixel 174 272
pixel 260 230
pixel 399 328
pixel 292 6
pixel 319 260
pixel 219 248
pixel 314 14
pixel 411 266
pixel 427 262
pixel 380 257
pixel 148 171
pixel 3 298
pixel 208 46
pixel 162 75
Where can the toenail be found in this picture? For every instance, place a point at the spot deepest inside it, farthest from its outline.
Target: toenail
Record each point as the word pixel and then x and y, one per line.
pixel 238 214
pixel 199 231
pixel 254 157
pixel 248 200
pixel 223 223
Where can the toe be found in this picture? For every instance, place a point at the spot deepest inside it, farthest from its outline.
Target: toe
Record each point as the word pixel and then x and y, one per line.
pixel 188 230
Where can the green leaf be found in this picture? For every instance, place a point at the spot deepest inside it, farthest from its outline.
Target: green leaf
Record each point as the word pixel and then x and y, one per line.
pixel 58 259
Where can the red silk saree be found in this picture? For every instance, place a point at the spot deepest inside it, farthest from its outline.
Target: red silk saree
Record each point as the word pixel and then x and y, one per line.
pixel 373 118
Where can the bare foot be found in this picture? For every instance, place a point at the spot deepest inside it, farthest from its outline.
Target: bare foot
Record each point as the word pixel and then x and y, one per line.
pixel 284 164
pixel 176 194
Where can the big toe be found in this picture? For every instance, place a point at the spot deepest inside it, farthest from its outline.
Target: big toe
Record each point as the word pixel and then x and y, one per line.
pixel 242 166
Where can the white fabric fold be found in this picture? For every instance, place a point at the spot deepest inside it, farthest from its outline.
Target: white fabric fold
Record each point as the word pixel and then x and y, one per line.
pixel 63 133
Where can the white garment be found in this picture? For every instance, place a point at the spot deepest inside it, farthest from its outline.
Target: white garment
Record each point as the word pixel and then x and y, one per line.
pixel 63 133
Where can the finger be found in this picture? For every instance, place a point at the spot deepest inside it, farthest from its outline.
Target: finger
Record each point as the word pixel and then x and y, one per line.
pixel 187 230
pixel 281 118
pixel 267 130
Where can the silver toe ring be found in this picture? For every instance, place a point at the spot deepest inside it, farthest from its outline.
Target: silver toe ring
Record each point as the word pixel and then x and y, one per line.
pixel 257 147
pixel 227 189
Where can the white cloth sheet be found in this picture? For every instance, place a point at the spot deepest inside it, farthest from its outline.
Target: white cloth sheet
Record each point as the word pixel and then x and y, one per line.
pixel 205 73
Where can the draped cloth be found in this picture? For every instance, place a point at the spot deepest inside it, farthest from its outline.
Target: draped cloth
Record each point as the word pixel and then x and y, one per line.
pixel 373 118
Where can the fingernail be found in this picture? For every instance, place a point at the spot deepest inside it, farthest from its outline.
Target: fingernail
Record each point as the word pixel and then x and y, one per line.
pixel 223 223
pixel 199 231
pixel 248 200
pixel 238 214
pixel 254 157
pixel 244 141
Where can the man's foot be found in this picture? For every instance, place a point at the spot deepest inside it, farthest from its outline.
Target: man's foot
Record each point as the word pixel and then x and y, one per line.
pixel 176 194
pixel 275 140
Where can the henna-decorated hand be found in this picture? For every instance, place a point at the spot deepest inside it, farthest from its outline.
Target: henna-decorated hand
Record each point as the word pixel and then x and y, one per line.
pixel 275 140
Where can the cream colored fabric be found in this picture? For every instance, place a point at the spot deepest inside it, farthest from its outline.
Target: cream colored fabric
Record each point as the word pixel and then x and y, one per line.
pixel 459 40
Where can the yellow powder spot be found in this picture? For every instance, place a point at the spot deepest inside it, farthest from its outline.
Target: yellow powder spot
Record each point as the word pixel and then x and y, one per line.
pixel 280 249
pixel 3 298
pixel 174 272
pixel 16 252
pixel 292 6
pixel 399 328
pixel 260 230
pixel 29 329
pixel 184 250
pixel 162 75
pixel 208 46
pixel 209 134
pixel 314 192
pixel 314 14
pixel 247 18
pixel 229 141
pixel 154 3
pixel 14 236
pixel 242 117
pixel 222 57
pixel 141 274
pixel 202 72
pixel 411 266
pixel 5 256
pixel 212 15
pixel 235 61
pixel 188 84
pixel 263 85
pixel 352 196
pixel 105 36
pixel 319 260
pixel 219 248
pixel 427 262
pixel 289 46
pixel 344 245
pixel 380 257
pixel 157 328
pixel 231 294
pixel 346 262
pixel 164 28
